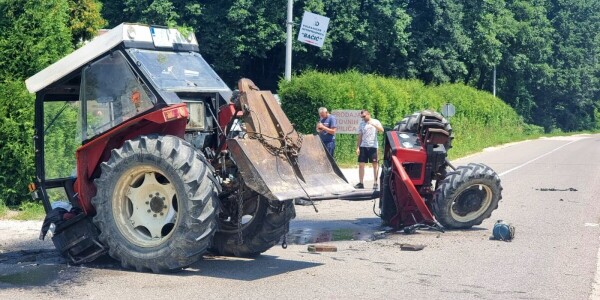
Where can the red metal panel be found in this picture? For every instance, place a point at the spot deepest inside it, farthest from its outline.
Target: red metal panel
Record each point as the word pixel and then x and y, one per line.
pixel 408 155
pixel 408 201
pixel 226 113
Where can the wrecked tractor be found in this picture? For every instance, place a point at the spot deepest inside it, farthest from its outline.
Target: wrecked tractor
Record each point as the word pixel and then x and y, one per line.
pixel 143 153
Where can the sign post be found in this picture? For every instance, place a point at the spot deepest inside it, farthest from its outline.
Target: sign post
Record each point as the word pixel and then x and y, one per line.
pixel 313 29
pixel 288 44
pixel 448 110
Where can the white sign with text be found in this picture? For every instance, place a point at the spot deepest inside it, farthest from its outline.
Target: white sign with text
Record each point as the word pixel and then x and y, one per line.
pixel 347 120
pixel 313 29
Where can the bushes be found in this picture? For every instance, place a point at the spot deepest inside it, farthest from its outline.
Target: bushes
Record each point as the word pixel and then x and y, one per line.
pixel 16 145
pixel 481 120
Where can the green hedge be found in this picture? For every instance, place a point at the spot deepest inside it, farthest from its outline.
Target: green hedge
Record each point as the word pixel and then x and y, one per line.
pixel 16 143
pixel 481 120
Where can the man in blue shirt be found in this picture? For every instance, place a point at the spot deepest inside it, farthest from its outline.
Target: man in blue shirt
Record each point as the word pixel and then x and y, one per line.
pixel 326 128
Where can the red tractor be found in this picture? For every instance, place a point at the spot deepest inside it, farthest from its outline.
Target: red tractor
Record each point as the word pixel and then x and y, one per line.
pixel 170 163
pixel 416 184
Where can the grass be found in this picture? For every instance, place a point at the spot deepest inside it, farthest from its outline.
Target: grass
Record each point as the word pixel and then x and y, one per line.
pixel 26 211
pixel 3 210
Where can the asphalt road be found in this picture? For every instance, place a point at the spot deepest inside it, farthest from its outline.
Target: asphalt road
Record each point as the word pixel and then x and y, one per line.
pixel 550 195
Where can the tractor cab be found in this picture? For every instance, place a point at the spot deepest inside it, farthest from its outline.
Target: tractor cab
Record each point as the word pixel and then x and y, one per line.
pixel 132 80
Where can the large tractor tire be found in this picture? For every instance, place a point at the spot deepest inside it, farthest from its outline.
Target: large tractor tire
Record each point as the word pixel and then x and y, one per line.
pixel 156 204
pixel 262 226
pixel 387 206
pixel 467 196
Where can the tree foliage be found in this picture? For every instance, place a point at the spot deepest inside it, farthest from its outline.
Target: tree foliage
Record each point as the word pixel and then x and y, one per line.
pixel 16 147
pixel 545 52
pixel 85 19
pixel 33 34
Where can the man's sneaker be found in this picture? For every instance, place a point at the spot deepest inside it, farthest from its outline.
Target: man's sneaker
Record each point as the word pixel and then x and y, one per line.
pixel 359 186
pixel 375 186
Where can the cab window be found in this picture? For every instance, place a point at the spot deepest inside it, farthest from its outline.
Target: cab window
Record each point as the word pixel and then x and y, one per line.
pixel 111 94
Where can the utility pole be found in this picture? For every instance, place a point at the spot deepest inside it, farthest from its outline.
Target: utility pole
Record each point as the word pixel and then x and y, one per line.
pixel 494 89
pixel 288 46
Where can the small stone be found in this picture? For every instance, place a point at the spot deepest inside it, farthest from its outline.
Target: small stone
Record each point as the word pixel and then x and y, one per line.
pixel 409 247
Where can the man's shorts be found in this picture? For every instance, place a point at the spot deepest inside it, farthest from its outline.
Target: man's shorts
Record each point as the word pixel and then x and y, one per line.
pixel 367 154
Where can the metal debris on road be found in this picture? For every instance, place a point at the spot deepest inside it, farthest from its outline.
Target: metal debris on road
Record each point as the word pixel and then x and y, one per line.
pixel 322 248
pixel 410 247
pixel 557 190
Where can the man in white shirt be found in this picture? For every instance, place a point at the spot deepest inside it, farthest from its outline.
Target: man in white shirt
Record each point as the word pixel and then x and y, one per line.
pixel 367 145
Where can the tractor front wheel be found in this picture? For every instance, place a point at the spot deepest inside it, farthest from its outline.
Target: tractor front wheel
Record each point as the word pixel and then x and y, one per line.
pixel 257 228
pixel 156 204
pixel 467 196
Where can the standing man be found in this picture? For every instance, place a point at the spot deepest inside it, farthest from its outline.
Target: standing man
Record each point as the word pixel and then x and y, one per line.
pixel 326 128
pixel 367 145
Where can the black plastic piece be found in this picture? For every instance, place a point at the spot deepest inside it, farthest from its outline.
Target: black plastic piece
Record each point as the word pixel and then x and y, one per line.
pixel 77 240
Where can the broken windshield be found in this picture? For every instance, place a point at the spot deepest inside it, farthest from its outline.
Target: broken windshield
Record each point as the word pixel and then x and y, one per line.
pixel 178 71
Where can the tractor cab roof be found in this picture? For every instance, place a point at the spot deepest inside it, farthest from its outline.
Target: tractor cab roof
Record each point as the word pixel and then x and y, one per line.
pixel 128 36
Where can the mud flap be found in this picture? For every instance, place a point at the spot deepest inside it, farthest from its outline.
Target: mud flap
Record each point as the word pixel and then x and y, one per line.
pixel 278 178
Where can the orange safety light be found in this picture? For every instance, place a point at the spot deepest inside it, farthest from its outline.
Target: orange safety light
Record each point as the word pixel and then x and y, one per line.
pixel 176 113
pixel 31 186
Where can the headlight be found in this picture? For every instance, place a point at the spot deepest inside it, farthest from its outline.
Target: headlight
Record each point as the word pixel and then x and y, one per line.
pixel 197 116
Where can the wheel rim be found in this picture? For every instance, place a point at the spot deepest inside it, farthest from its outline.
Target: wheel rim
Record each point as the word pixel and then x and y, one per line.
pixel 250 208
pixel 145 206
pixel 471 202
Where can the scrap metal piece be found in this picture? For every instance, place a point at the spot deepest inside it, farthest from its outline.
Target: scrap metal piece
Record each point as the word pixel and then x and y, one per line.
pixel 274 159
pixel 322 248
pixel 410 247
pixel 274 177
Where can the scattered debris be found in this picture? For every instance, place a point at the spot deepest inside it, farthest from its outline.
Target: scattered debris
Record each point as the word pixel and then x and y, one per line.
pixel 410 247
pixel 503 231
pixel 322 248
pixel 379 235
pixel 557 190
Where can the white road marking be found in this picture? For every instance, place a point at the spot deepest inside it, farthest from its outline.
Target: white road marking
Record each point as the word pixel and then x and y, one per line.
pixel 530 161
pixel 595 295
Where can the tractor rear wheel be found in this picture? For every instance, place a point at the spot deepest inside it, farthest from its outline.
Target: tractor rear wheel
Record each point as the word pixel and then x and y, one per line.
pixel 467 196
pixel 262 225
pixel 156 204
